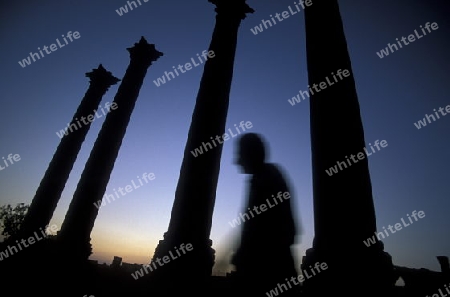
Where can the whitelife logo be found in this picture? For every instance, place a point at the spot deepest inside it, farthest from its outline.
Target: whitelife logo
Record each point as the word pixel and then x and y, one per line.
pixel 263 207
pixel 411 38
pixel 397 226
pixel 90 118
pixel 11 158
pixel 441 294
pixel 53 47
pixel 199 151
pixel 128 189
pixel 323 85
pixel 24 243
pixel 284 15
pixel 166 259
pixel 296 280
pixel 360 156
pixel 423 123
pixel 124 9
pixel 188 66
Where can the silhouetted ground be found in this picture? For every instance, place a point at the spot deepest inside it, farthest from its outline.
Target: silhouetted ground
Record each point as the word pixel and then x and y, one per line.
pixel 39 271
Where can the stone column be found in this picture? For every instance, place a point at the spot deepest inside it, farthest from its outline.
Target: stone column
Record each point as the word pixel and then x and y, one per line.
pixel 79 221
pixel 196 190
pixel 344 213
pixel 49 191
pixel 444 263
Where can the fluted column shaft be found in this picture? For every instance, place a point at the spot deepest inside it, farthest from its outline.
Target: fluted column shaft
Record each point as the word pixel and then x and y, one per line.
pixel 52 185
pixel 336 132
pixel 82 212
pixel 196 190
pixel 344 212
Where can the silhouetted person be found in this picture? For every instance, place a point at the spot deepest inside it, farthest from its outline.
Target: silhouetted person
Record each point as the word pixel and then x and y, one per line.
pixel 263 259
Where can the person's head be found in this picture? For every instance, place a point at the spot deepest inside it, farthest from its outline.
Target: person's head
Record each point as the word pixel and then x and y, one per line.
pixel 251 152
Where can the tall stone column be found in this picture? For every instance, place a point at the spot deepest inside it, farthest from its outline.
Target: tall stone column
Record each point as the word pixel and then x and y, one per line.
pixel 196 190
pixel 344 213
pixel 80 217
pixel 52 185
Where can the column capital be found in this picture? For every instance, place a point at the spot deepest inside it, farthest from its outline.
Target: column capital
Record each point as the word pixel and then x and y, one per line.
pixel 236 8
pixel 144 52
pixel 101 76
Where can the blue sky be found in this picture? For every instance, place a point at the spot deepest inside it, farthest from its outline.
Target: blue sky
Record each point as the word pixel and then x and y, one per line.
pixel 411 173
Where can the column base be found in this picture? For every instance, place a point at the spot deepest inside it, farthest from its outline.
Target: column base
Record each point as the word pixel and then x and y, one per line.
pixel 74 251
pixel 358 272
pixel 193 267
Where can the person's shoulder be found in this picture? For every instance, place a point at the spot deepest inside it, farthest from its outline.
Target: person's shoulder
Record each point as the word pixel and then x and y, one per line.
pixel 277 174
pixel 273 169
pixel 271 172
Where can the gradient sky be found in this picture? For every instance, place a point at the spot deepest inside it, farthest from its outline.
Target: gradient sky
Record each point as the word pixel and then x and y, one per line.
pixel 270 68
